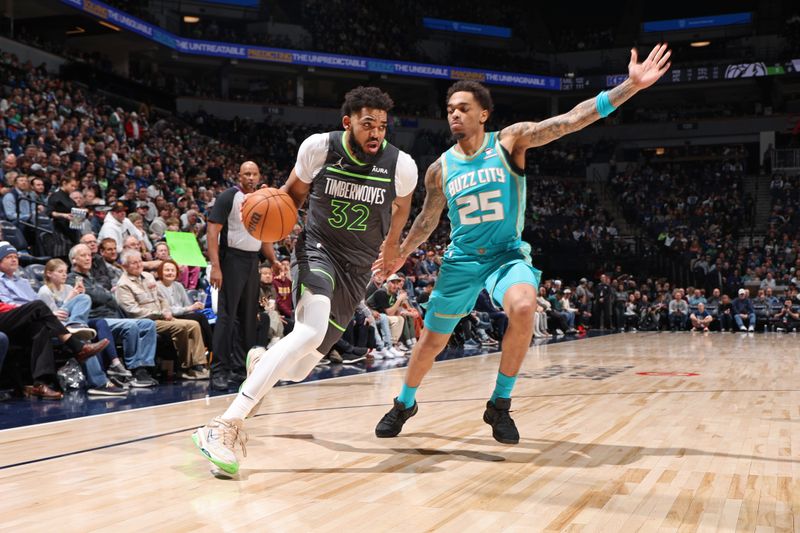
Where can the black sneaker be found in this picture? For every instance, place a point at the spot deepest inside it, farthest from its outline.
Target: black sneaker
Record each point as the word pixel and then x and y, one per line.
pixel 334 357
pixel 503 428
pixel 109 389
pixel 142 379
pixel 219 380
pixel 118 371
pixel 392 422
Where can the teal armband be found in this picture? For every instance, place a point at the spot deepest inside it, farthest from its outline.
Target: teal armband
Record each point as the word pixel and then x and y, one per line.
pixel 603 104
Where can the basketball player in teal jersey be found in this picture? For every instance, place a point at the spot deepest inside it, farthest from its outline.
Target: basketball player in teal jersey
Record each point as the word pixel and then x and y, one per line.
pixel 481 182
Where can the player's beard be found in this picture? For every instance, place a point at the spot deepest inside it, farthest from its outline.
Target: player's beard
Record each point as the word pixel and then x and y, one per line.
pixel 361 154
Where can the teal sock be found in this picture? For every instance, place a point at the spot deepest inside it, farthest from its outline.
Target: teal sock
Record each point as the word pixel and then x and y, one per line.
pixel 503 386
pixel 407 395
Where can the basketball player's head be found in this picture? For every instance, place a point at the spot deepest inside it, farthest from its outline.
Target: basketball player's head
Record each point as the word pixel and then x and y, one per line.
pixel 365 117
pixel 249 177
pixel 469 105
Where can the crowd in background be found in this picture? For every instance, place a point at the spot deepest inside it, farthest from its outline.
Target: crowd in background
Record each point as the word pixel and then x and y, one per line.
pixel 97 185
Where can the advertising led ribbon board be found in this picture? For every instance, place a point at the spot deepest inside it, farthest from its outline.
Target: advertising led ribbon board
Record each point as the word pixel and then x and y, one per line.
pixel 306 58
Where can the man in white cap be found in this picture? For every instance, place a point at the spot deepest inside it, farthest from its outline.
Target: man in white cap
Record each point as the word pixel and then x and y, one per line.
pixel 743 310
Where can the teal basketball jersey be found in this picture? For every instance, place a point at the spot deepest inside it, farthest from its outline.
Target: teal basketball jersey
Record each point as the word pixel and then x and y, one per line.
pixel 485 199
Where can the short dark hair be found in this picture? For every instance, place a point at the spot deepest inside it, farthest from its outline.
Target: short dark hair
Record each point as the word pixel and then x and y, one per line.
pixel 480 92
pixel 361 97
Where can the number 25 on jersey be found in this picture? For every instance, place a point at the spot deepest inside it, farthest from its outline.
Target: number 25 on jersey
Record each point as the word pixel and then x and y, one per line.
pixel 486 202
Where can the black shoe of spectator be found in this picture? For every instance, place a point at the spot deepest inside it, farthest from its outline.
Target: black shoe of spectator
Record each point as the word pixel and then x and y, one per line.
pixel 503 428
pixel 142 379
pixel 236 378
pixel 334 357
pixel 219 380
pixel 392 422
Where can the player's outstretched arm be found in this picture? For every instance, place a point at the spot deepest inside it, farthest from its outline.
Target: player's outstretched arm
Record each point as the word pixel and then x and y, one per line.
pixel 425 222
pixel 523 135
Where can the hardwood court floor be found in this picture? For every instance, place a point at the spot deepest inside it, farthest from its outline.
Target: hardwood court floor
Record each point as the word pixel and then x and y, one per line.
pixel 608 444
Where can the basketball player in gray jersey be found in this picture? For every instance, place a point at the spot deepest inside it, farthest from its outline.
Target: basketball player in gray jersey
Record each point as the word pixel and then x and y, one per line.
pixel 359 189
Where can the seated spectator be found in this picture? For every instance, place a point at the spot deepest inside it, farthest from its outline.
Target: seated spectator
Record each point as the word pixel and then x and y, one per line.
pixel 425 295
pixel 131 242
pixel 772 300
pixel 137 336
pixel 108 250
pixel 743 310
pixel 763 308
pixel 768 282
pixel 497 317
pixel 678 312
pixel 714 301
pixel 725 314
pixel 701 319
pixel 565 306
pixel 116 226
pixel 388 300
pixel 99 269
pixel 283 287
pixel 17 290
pixel 557 324
pixel 137 294
pixel 631 313
pixel 181 306
pixel 189 276
pixel 270 325
pixel 697 298
pixel 18 203
pixel 33 324
pixel 786 319
pixel 58 295
pixel 138 222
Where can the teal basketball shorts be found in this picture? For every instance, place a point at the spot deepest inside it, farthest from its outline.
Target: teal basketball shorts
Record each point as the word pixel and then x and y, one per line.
pixel 461 279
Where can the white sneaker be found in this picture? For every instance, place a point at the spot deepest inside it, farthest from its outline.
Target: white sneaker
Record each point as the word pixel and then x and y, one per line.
pixel 395 352
pixel 217 441
pixel 378 354
pixel 253 357
pixel 742 328
pixel 751 329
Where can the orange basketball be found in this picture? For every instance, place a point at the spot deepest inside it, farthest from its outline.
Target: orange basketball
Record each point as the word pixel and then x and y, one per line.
pixel 269 214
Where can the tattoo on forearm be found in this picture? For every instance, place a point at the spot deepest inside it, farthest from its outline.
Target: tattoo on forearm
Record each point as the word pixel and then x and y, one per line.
pixel 432 208
pixel 532 134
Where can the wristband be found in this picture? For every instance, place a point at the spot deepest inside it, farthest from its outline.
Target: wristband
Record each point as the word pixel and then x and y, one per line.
pixel 603 104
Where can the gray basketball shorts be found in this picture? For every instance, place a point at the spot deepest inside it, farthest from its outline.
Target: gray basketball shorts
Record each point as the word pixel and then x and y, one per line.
pixel 316 270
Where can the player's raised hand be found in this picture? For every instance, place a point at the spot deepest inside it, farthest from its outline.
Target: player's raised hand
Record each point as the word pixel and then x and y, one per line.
pixel 646 73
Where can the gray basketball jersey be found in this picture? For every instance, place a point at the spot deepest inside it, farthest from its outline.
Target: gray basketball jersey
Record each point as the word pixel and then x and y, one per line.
pixel 350 204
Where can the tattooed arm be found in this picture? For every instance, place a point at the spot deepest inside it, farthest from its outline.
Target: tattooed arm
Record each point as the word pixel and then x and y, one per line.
pixel 523 135
pixel 424 224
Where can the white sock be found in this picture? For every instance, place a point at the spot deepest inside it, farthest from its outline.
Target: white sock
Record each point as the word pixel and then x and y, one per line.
pixel 311 325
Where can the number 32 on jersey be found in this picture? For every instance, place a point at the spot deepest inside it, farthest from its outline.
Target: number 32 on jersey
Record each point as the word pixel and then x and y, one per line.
pixel 491 210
